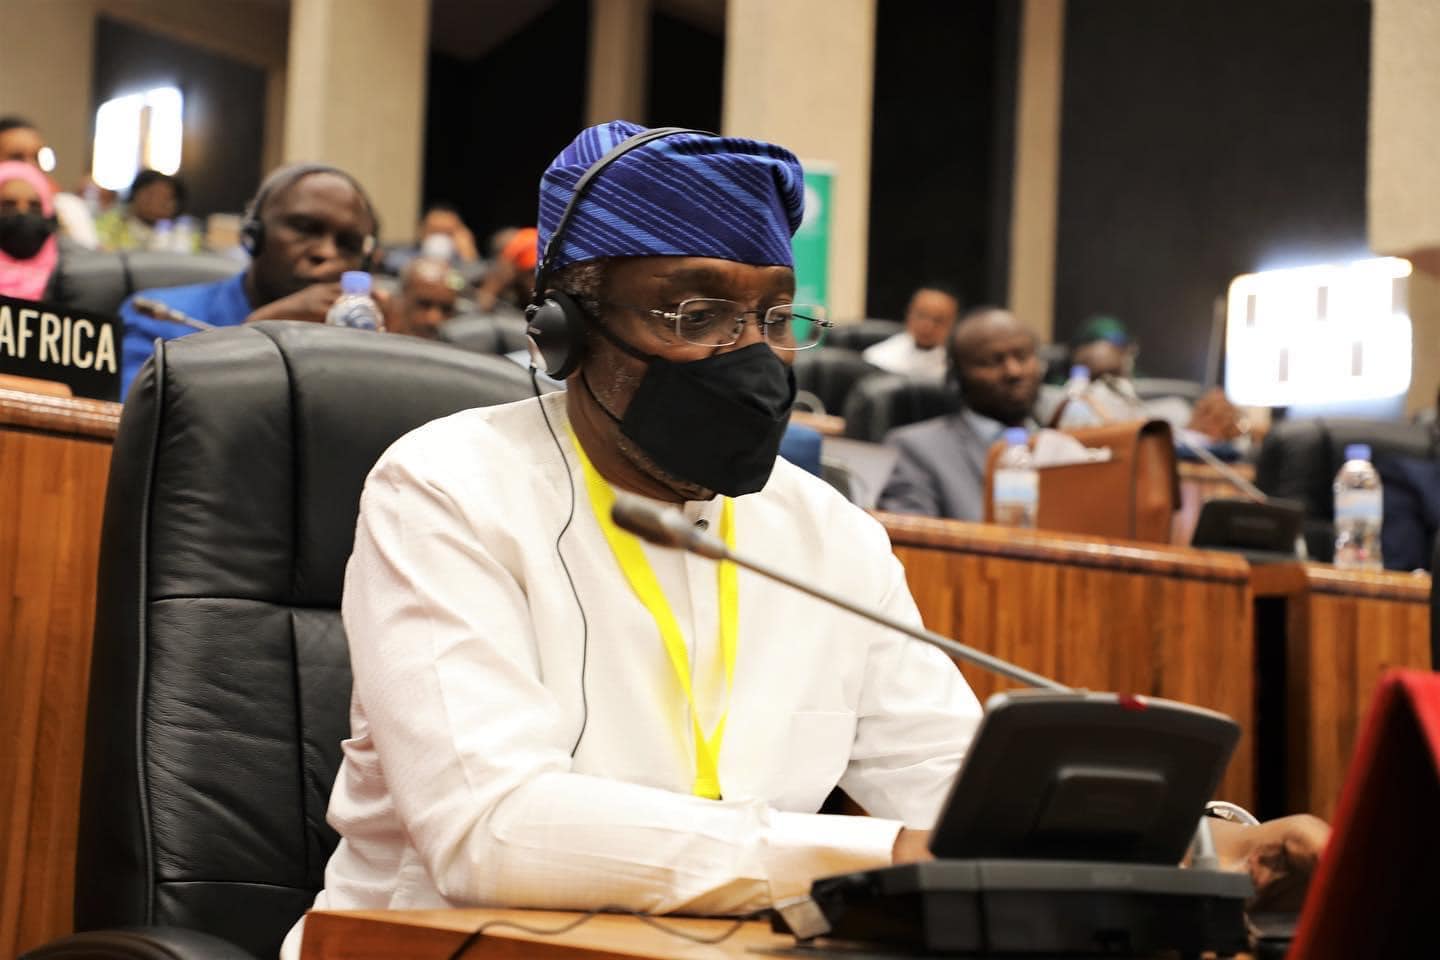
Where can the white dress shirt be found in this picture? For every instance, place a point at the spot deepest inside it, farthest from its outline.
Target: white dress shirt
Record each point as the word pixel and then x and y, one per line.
pixel 475 673
pixel 899 354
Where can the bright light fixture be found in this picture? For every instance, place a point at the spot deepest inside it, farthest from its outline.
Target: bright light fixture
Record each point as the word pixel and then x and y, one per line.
pixel 47 159
pixel 139 130
pixel 1322 334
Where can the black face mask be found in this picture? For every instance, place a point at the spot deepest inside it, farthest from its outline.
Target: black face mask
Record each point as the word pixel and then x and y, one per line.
pixel 715 422
pixel 23 234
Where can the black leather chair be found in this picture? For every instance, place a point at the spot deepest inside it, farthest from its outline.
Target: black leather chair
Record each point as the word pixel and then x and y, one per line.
pixel 882 402
pixel 486 332
pixel 100 282
pixel 220 682
pixel 858 336
pixel 1299 460
pixel 830 373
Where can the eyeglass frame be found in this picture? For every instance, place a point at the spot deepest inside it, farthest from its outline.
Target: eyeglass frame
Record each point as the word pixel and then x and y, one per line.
pixel 675 316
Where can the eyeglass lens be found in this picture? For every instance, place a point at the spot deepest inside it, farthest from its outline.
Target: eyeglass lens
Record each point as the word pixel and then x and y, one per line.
pixel 789 326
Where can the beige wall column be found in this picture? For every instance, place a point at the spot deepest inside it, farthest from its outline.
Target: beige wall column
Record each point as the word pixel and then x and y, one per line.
pixel 801 73
pixel 1404 187
pixel 356 97
pixel 1035 202
pixel 619 61
pixel 36 39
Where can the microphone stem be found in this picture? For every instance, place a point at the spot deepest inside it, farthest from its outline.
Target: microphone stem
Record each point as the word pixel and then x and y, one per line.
pixel 1227 471
pixel 957 650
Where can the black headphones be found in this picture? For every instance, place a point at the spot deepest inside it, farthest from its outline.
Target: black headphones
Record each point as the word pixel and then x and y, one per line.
pixel 554 322
pixel 252 231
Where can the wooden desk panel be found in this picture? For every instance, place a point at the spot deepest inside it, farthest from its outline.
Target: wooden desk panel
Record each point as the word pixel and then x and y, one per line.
pixel 1164 621
pixel 1339 630
pixel 425 934
pixel 54 462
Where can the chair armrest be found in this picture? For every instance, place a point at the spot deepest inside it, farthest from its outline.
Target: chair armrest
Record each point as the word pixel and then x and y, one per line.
pixel 139 943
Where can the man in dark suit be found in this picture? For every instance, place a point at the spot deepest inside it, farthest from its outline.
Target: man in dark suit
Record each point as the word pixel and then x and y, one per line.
pixel 941 469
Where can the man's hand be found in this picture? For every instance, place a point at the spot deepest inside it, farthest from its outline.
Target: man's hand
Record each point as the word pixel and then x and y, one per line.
pixel 1215 416
pixel 311 303
pixel 465 244
pixel 911 846
pixel 1280 856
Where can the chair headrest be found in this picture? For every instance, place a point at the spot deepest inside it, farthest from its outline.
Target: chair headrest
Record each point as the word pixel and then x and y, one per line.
pixel 880 403
pixel 263 435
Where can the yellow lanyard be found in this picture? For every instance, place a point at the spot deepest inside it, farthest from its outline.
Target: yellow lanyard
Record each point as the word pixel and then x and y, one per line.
pixel 641 577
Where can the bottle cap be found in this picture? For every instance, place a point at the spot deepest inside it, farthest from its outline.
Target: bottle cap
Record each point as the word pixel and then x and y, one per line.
pixel 1079 372
pixel 1016 436
pixel 354 281
pixel 1357 451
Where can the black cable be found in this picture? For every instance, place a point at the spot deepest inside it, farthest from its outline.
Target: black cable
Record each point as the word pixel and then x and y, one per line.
pixel 589 915
pixel 584 623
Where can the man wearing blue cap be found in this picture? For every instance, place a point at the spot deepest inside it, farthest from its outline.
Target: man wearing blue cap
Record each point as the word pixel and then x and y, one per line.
pixel 548 712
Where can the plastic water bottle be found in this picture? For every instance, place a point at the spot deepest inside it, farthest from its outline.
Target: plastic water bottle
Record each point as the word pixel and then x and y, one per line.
pixel 1078 410
pixel 160 236
pixel 355 308
pixel 1359 506
pixel 182 236
pixel 1017 482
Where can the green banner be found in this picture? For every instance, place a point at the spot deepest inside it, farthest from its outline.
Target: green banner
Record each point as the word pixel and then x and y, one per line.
pixel 812 240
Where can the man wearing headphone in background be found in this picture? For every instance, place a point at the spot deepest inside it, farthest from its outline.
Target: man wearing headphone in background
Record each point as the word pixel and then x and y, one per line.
pixel 941 469
pixel 308 224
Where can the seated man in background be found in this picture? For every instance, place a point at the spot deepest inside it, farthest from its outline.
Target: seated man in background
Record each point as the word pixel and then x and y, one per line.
pixel 1107 352
pixel 429 290
pixel 507 287
pixel 1412 509
pixel 919 349
pixel 441 235
pixel 154 198
pixel 994 366
pixel 307 225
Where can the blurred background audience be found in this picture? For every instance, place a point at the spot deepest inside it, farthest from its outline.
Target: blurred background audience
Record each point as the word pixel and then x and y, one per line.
pixel 28 249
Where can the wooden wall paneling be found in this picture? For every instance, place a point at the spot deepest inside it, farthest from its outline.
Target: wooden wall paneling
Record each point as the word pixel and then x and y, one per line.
pixel 1341 631
pixel 1156 620
pixel 54 462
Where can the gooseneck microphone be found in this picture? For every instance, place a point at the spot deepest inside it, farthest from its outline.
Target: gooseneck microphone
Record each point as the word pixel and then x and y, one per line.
pixel 668 528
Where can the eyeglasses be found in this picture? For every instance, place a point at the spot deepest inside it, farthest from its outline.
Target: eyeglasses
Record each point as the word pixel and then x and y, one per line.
pixel 719 323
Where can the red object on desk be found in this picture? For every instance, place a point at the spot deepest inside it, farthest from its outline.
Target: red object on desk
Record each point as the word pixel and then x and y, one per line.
pixel 1375 892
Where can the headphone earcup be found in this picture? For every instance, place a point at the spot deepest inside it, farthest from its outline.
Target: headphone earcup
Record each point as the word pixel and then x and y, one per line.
pixel 555 327
pixel 252 235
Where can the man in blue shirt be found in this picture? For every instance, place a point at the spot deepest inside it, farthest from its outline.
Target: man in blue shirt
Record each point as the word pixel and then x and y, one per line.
pixel 308 224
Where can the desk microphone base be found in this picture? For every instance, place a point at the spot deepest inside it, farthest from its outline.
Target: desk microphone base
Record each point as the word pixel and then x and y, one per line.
pixel 1017 907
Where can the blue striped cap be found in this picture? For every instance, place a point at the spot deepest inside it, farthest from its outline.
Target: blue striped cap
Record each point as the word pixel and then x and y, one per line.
pixel 686 195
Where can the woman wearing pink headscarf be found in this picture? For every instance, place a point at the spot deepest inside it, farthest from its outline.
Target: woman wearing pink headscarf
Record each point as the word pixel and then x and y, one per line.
pixel 28 251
